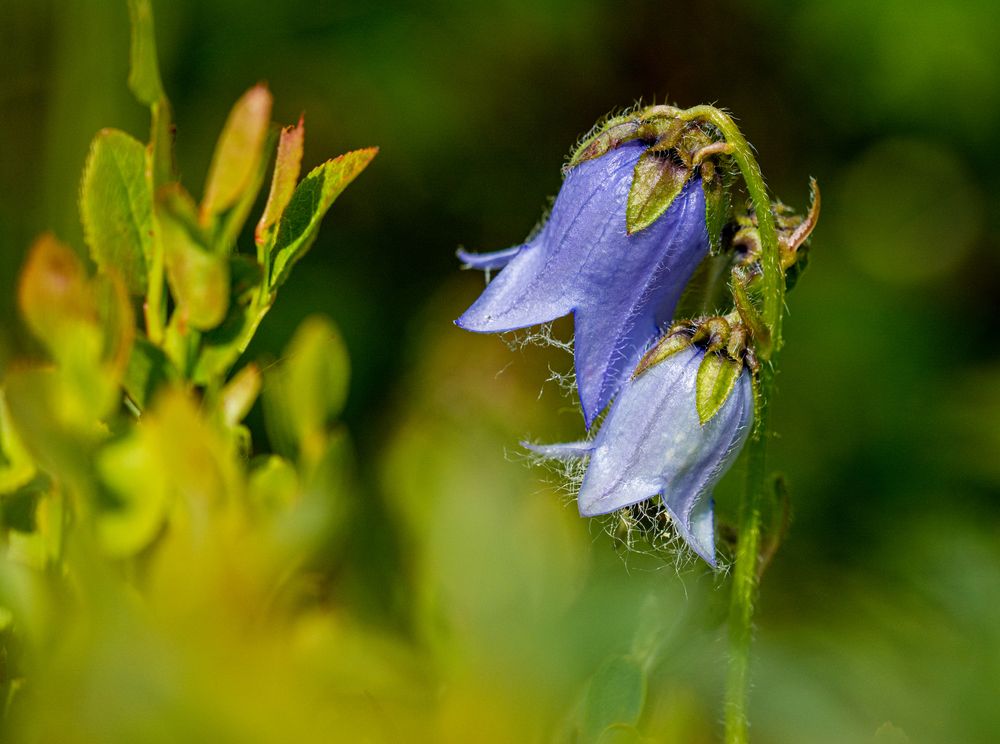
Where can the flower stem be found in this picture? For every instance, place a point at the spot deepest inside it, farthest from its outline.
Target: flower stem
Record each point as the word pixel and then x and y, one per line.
pixel 745 576
pixel 745 571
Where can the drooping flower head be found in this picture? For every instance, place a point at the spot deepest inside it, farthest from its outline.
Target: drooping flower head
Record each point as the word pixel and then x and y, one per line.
pixel 653 443
pixel 626 232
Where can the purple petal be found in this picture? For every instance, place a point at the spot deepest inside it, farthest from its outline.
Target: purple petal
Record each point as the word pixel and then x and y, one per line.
pixel 653 443
pixel 621 288
pixel 487 261
pixel 565 451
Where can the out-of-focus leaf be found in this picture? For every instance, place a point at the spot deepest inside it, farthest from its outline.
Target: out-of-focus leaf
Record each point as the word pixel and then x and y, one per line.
pixel 117 320
pixel 16 465
pixel 239 394
pixel 201 463
pixel 135 474
pixel 56 302
pixel 616 695
pixel 58 423
pixel 144 70
pixel 300 221
pixel 889 734
pixel 286 174
pixel 148 370
pixel 238 152
pixel 18 507
pixel 274 485
pixel 198 278
pixel 620 733
pixel 116 207
pixel 306 394
pixel 717 376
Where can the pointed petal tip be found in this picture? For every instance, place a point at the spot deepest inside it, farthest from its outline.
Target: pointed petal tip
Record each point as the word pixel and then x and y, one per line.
pixel 487 261
pixel 562 451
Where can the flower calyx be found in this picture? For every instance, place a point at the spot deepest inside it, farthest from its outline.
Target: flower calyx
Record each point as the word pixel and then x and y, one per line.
pixel 677 149
pixel 793 230
pixel 727 343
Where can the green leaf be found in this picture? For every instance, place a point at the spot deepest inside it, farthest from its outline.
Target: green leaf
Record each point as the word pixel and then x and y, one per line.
pixel 717 376
pixel 144 71
pixel 616 695
pixel 300 221
pixel 229 227
pixel 223 345
pixel 238 153
pixel 657 182
pixel 199 279
pixel 116 206
pixel 286 173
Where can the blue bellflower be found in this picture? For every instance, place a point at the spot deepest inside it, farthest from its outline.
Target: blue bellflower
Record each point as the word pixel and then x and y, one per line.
pixel 652 443
pixel 622 289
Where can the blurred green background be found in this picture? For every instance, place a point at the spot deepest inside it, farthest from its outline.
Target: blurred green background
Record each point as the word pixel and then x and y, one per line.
pixel 884 603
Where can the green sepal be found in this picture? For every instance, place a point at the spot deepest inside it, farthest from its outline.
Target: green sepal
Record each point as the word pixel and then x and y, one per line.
pixel 751 318
pixel 655 123
pixel 717 204
pixel 658 180
pixel 665 347
pixel 717 376
pixel 610 135
pixel 300 221
pixel 116 207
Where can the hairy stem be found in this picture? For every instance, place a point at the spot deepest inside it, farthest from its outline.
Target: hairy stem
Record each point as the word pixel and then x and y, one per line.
pixel 745 576
pixel 773 281
pixel 745 572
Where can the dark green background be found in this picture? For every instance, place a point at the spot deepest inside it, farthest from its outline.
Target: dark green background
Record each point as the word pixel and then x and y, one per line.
pixel 884 604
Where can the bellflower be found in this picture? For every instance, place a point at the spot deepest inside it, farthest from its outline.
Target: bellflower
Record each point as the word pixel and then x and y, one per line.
pixel 653 443
pixel 621 288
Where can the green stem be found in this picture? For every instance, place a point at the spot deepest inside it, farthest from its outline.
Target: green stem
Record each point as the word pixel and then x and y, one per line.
pixel 745 577
pixel 155 308
pixel 745 571
pixel 773 281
